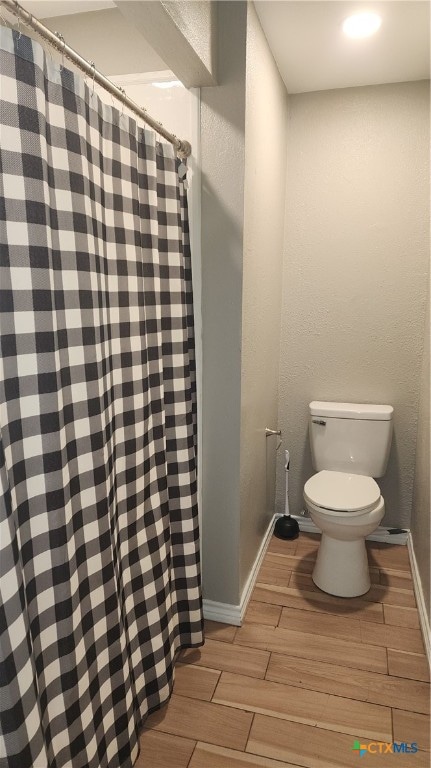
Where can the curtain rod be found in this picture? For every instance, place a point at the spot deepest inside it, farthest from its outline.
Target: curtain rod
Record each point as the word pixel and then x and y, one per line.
pixel 57 41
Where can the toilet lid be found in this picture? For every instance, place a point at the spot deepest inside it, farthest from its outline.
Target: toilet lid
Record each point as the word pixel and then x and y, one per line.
pixel 341 491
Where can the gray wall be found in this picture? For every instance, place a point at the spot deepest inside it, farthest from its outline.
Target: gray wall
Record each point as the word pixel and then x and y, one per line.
pixel 264 204
pixel 356 269
pixel 243 193
pixel 222 152
pixel 420 526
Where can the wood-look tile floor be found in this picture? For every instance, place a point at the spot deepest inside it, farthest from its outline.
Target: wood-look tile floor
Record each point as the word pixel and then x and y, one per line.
pixel 304 677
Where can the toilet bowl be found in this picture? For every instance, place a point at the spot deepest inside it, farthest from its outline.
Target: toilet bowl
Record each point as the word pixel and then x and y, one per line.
pixel 346 508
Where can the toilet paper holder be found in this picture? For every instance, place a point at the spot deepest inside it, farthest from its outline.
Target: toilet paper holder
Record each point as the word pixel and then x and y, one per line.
pixel 271 432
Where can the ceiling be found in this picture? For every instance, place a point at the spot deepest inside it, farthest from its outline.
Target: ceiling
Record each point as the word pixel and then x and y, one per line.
pixel 43 9
pixel 305 37
pixel 312 53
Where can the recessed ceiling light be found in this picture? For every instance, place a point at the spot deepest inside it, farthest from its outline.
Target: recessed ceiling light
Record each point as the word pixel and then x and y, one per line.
pixel 362 24
pixel 168 84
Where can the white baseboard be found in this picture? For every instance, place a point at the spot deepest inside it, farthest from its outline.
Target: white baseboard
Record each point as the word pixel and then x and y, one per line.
pixel 234 614
pixel 381 534
pixel 420 599
pixel 222 612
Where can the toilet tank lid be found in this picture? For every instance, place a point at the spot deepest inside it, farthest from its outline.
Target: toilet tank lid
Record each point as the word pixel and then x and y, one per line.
pixel 351 411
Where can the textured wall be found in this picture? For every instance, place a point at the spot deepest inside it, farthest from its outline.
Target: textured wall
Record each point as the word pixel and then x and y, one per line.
pixel 421 496
pixel 222 153
pixel 264 204
pixel 356 266
pixel 197 19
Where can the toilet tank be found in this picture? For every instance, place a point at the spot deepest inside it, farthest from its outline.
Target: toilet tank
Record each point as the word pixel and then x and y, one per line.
pixel 351 437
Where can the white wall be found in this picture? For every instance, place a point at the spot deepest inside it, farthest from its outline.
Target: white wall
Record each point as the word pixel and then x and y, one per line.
pixel 264 204
pixel 356 269
pixel 420 526
pixel 106 38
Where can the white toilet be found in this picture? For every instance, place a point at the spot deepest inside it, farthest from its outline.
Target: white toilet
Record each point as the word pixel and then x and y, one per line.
pixel 350 445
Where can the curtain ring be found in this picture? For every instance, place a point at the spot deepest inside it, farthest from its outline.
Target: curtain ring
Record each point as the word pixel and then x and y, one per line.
pixel 19 29
pixel 158 134
pixel 62 40
pixel 124 98
pixel 93 67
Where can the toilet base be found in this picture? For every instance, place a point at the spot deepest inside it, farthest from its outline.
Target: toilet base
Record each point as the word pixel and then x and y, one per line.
pixel 342 567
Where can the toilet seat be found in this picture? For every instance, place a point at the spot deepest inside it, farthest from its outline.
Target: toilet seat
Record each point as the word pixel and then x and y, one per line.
pixel 341 493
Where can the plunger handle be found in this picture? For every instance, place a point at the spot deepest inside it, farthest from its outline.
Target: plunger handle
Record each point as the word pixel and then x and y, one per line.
pixel 286 466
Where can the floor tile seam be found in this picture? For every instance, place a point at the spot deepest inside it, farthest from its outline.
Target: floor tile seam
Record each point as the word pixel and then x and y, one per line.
pixel 327 634
pixel 219 640
pixel 359 643
pixel 204 741
pixel 385 645
pixel 322 595
pixel 351 697
pixel 336 695
pixel 325 661
pixel 407 711
pixel 199 666
pixel 312 611
pixel 394 572
pixel 407 585
pixel 193 751
pixel 260 624
pixel 371 646
pixel 388 674
pixel 215 687
pixel 314 722
pixel 385 567
pixel 248 751
pixel 404 608
pixel 234 643
pixel 409 653
pixel 397 607
pixel 249 732
pixel 412 679
pixel 281 763
pixel 212 743
pixel 326 613
pixel 395 591
pixel 254 676
pixel 398 626
pixel 294 555
pixel 268 663
pixel 268 602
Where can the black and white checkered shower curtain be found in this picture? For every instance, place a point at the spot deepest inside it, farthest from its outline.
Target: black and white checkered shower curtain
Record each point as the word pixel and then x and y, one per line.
pixel 99 555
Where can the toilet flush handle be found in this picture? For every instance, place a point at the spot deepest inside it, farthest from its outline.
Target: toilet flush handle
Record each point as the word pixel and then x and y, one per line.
pixel 319 421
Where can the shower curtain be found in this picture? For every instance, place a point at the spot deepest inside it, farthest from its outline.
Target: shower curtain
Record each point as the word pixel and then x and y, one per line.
pixel 99 554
